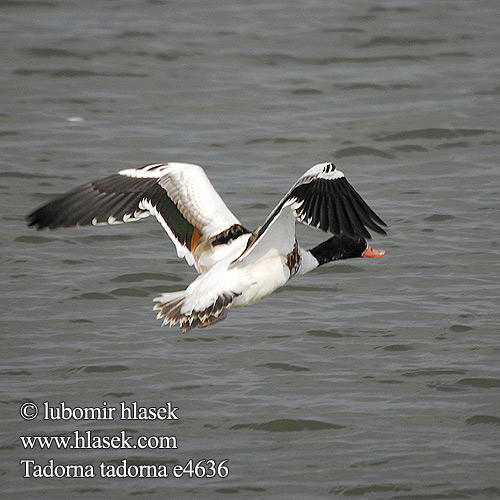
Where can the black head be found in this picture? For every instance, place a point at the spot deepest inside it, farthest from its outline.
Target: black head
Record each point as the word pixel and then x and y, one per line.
pixel 339 247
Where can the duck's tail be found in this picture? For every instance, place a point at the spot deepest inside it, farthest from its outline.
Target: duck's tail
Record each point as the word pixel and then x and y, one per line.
pixel 173 307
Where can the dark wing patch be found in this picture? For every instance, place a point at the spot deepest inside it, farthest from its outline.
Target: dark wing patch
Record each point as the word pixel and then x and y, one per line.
pixel 231 233
pixel 333 205
pixel 172 217
pixel 115 196
pixel 112 200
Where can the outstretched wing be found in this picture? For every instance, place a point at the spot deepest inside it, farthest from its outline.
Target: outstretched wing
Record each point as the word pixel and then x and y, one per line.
pixel 322 198
pixel 179 195
pixel 325 199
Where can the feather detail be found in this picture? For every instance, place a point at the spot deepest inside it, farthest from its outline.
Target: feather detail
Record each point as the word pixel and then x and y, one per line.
pixel 179 195
pixel 172 307
pixel 323 198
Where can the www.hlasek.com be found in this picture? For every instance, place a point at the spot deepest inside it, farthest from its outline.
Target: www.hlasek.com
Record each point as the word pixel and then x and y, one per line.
pixel 122 440
pixel 86 440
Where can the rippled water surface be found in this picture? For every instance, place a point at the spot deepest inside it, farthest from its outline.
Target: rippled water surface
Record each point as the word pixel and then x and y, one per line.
pixel 374 379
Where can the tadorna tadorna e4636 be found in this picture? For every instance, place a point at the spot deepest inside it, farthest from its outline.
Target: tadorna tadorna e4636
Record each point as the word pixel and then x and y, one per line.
pixel 237 267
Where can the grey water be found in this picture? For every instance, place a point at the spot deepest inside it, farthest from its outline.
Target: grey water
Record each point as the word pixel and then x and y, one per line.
pixel 370 378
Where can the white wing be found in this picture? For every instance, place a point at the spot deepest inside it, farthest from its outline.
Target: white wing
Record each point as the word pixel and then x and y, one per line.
pixel 179 195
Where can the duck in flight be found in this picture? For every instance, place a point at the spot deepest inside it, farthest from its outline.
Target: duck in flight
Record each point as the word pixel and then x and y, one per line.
pixel 237 267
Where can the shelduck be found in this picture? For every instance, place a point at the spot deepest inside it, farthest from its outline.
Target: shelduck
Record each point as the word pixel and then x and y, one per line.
pixel 237 267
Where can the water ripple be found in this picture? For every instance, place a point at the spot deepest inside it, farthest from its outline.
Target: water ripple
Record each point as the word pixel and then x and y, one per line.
pixel 288 425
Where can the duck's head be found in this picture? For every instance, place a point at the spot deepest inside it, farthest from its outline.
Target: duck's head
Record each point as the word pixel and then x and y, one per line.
pixel 344 247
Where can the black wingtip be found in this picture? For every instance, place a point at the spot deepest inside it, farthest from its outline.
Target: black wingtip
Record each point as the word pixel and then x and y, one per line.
pixel 33 219
pixel 42 218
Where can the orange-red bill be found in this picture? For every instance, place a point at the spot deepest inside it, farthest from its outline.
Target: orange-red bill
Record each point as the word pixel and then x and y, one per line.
pixel 370 252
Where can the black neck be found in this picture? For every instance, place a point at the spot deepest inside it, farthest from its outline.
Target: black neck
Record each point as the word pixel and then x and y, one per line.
pixel 338 247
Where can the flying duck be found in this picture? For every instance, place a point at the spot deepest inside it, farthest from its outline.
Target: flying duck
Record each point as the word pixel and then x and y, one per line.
pixel 237 267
